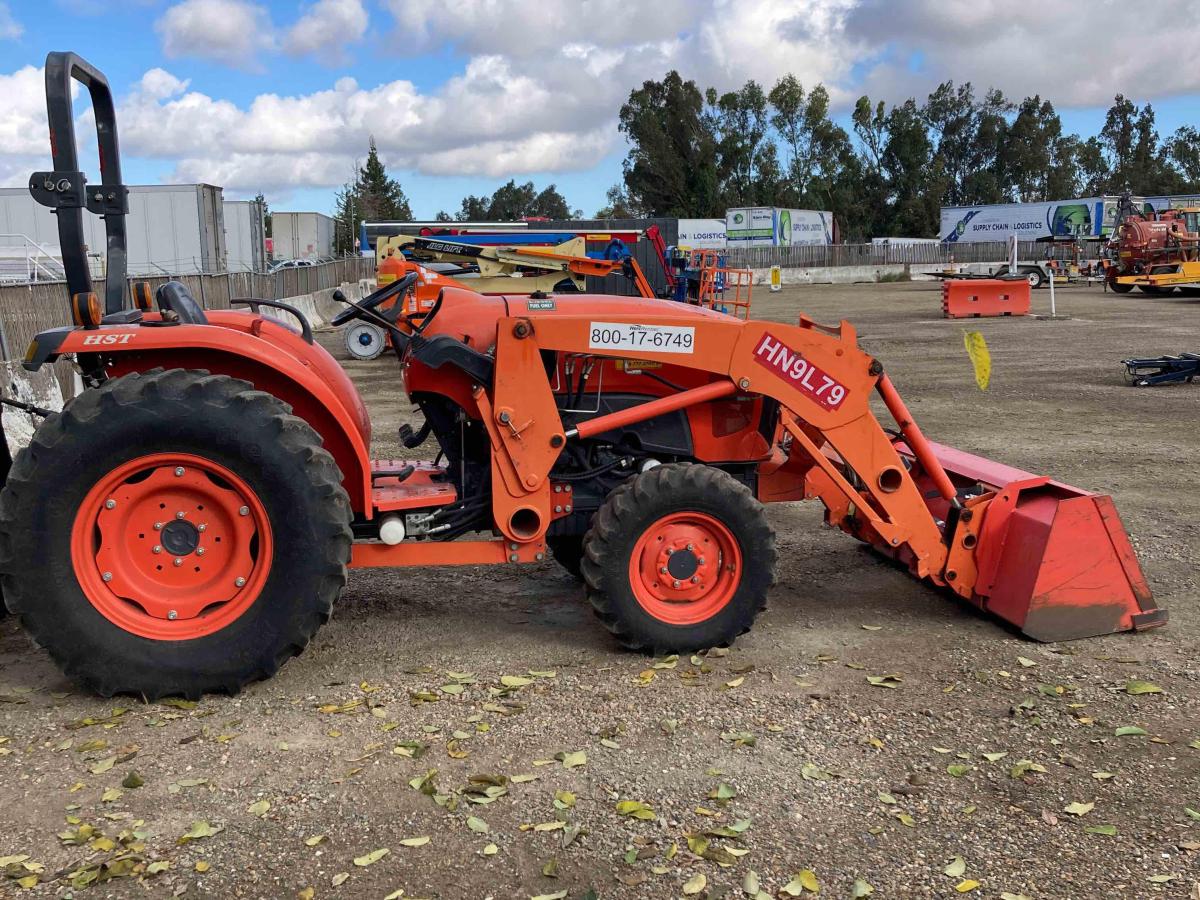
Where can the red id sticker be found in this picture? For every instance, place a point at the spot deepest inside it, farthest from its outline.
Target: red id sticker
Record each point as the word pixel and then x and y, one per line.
pixel 809 379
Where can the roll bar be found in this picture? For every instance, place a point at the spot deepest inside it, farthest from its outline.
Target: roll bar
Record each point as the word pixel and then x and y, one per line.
pixel 65 189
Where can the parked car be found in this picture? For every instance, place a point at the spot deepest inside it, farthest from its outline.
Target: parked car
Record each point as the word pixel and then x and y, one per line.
pixel 290 264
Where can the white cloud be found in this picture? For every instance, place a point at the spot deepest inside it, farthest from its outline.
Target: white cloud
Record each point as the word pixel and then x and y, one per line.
pixel 326 27
pixel 233 32
pixel 1073 52
pixel 544 80
pixel 10 28
pixel 23 128
pixel 531 28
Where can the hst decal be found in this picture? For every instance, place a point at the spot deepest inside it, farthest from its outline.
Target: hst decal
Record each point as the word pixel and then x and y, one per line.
pixel 107 340
pixel 809 379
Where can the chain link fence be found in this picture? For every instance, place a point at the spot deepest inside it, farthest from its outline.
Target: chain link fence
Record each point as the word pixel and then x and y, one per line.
pixel 29 308
pixel 838 255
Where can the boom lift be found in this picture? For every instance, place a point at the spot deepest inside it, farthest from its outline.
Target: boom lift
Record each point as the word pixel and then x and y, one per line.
pixel 501 270
pixel 186 523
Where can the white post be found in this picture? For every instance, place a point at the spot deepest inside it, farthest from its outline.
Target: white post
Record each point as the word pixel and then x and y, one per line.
pixel 1053 314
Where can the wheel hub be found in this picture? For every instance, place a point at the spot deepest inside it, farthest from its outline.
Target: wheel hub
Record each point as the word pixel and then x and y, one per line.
pixel 180 537
pixel 685 567
pixel 682 564
pixel 171 546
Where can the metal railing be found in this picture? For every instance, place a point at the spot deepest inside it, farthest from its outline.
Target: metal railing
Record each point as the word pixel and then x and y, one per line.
pixel 22 260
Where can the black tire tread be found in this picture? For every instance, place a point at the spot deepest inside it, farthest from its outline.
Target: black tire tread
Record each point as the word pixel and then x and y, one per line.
pixel 613 520
pixel 330 532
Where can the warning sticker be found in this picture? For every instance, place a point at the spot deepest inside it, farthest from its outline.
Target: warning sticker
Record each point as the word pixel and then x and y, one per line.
pixel 656 338
pixel 809 379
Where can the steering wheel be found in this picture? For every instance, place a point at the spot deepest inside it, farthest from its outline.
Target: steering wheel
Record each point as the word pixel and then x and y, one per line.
pixel 370 302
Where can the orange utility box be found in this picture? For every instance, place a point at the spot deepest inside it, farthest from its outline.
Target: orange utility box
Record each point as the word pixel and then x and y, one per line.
pixel 964 298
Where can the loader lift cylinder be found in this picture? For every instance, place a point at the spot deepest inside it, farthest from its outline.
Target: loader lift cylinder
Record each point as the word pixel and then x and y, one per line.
pixel 916 440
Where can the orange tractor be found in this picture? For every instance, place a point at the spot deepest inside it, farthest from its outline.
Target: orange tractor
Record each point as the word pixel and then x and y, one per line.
pixel 185 524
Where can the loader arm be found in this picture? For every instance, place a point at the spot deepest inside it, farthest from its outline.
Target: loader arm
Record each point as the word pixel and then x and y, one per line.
pixel 1049 558
pixel 820 377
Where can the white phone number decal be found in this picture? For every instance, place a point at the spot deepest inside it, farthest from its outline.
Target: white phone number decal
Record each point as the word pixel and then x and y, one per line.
pixel 658 338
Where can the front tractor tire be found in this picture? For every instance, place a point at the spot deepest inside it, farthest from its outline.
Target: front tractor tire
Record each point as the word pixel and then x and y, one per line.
pixel 173 533
pixel 679 558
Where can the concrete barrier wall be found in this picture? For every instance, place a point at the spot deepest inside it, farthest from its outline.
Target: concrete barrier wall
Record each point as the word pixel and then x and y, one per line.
pixel 847 274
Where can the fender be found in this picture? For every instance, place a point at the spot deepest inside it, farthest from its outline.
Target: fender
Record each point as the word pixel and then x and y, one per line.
pixel 267 354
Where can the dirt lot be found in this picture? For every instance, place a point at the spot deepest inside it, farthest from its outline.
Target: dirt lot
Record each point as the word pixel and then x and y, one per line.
pixel 978 754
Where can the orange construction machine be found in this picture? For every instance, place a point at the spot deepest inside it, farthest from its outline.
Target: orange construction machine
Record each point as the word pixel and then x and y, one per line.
pixel 504 270
pixel 186 523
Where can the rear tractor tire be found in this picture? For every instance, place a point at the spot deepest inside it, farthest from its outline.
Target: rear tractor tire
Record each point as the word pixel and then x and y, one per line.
pixel 173 533
pixel 679 558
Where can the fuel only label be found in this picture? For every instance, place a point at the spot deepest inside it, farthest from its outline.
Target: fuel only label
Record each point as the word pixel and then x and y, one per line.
pixel 809 379
pixel 655 338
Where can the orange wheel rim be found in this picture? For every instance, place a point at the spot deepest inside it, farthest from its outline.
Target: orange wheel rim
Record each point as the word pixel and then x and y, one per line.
pixel 171 546
pixel 685 568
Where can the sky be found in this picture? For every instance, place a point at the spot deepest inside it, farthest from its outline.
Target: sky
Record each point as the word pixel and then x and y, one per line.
pixel 462 95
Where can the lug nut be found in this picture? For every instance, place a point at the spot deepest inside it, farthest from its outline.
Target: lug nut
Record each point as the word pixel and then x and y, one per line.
pixel 199 551
pixel 695 579
pixel 201 527
pixel 675 584
pixel 244 511
pixel 158 526
pixel 558 509
pixel 157 548
pixel 107 576
pixel 512 557
pixel 567 508
pixel 663 570
pixel 180 514
pixel 670 550
pixel 539 556
pixel 691 546
pixel 110 504
pixel 178 471
pixel 179 561
pixel 700 560
pixel 172 615
pixel 240 582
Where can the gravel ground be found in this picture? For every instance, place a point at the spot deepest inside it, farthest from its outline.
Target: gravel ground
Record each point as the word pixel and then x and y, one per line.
pixel 993 768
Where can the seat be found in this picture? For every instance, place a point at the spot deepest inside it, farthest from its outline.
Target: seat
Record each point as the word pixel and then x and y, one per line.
pixel 442 349
pixel 178 299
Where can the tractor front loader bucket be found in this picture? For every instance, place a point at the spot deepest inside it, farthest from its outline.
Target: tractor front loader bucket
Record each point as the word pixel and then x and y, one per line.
pixel 1049 558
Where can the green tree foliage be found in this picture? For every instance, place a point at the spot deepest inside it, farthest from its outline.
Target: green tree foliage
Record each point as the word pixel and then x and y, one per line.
pixel 1183 149
pixel 371 195
pixel 619 206
pixel 380 196
pixel 671 169
pixel 695 153
pixel 512 202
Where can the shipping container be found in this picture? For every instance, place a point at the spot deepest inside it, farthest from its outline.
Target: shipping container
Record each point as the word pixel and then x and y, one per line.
pixel 769 226
pixel 175 229
pixel 1078 217
pixel 702 234
pixel 301 235
pixel 1082 217
pixel 245 236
